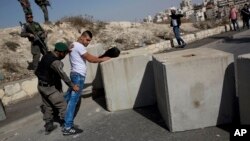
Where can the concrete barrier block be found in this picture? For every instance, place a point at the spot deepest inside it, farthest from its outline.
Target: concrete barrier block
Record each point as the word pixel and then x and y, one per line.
pixel 194 88
pixel 93 70
pixel 1 93
pixel 128 82
pixel 12 89
pixel 30 87
pixel 243 81
pixel 2 112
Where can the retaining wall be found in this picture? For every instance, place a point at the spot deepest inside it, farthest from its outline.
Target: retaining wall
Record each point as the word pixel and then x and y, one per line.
pixel 16 91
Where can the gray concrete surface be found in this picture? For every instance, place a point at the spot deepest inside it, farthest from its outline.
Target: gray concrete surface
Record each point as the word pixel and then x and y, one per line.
pixel 25 120
pixel 243 73
pixel 98 124
pixel 193 89
pixel 128 82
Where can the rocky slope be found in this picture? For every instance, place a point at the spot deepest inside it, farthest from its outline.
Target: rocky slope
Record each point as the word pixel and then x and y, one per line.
pixel 15 51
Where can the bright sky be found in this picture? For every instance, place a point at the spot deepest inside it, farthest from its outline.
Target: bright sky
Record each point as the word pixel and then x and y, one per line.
pixel 108 10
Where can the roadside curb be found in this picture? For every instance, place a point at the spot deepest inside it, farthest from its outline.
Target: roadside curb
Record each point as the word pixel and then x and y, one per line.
pixel 224 39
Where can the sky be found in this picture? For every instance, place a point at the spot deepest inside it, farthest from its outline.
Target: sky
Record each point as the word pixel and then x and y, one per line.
pixel 106 10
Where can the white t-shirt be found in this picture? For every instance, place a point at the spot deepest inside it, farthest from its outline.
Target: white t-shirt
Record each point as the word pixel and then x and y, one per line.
pixel 78 64
pixel 174 22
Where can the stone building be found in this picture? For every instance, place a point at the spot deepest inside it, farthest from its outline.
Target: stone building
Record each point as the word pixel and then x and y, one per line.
pixel 186 8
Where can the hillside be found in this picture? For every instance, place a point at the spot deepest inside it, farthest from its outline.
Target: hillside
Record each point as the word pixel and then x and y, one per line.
pixel 15 51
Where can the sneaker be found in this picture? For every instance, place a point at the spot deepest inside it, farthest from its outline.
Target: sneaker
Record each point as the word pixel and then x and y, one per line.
pixel 183 45
pixel 71 131
pixel 49 127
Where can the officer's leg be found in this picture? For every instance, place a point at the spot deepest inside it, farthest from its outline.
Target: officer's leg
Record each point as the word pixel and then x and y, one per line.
pixel 29 10
pixel 45 12
pixel 58 102
pixel 35 51
pixel 47 107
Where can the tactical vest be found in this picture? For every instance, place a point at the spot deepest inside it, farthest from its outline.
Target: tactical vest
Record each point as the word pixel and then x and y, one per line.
pixel 34 28
pixel 45 73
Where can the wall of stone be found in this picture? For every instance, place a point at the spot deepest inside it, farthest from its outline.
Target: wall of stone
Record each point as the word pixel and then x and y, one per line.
pixel 19 90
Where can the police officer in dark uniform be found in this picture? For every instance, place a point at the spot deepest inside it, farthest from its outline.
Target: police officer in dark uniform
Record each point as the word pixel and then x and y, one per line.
pixel 43 5
pixel 49 73
pixel 26 6
pixel 36 35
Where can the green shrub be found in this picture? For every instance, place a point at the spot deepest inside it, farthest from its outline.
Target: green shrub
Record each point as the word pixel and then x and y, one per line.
pixel 12 45
pixel 84 21
pixel 11 66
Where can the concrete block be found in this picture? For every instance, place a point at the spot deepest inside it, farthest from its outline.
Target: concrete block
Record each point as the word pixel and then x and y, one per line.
pixel 2 112
pixel 18 96
pixel 194 88
pixel 200 35
pixel 12 89
pixel 128 82
pixel 30 87
pixel 189 38
pixel 174 42
pixel 1 93
pixel 6 100
pixel 227 27
pixel 164 45
pixel 93 71
pixel 167 45
pixel 243 81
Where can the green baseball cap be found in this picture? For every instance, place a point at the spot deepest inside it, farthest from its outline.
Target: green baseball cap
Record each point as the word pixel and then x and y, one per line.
pixel 61 47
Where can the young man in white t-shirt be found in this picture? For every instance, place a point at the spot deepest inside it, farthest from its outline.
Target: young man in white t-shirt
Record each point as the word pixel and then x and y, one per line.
pixel 78 57
pixel 176 23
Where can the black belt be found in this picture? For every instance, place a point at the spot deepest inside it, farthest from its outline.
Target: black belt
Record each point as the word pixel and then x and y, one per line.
pixel 44 84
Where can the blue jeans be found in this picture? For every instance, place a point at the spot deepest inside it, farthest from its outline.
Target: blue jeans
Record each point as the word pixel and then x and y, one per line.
pixel 177 34
pixel 72 98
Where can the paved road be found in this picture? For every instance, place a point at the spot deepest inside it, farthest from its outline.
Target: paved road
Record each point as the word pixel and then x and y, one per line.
pixel 142 124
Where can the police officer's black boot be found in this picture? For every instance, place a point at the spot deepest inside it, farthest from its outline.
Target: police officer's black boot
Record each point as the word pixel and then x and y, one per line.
pixel 49 126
